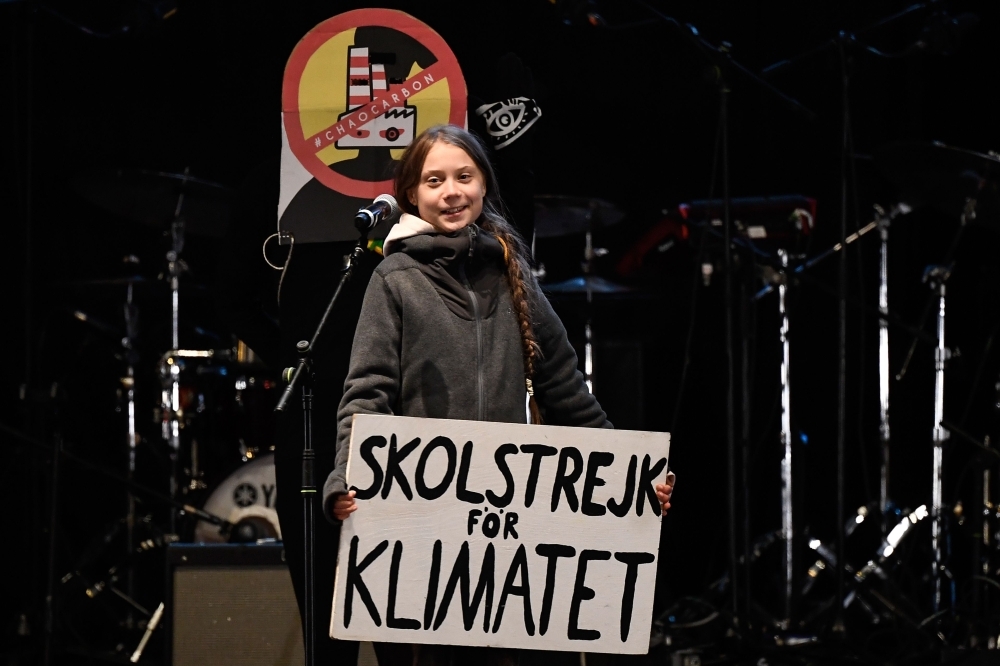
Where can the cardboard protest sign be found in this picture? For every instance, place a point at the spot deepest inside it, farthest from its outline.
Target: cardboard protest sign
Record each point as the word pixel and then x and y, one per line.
pixel 495 534
pixel 357 89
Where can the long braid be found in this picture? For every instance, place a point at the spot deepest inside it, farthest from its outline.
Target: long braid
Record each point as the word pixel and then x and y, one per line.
pixel 516 265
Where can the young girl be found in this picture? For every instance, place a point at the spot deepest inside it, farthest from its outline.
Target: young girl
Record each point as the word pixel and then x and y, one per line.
pixel 454 325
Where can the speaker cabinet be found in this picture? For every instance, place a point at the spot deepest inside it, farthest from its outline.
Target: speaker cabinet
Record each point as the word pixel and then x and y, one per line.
pixel 231 604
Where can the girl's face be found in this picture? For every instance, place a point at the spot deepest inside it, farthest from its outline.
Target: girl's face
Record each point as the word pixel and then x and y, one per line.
pixel 450 193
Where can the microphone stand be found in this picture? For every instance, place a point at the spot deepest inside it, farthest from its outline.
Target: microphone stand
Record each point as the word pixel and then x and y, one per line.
pixel 302 374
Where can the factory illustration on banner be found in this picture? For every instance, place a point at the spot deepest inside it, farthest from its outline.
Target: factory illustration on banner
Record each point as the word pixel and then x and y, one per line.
pixel 357 89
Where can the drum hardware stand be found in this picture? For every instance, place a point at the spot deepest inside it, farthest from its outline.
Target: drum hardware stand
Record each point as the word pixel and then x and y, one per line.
pixel 787 512
pixel 302 373
pixel 171 366
pixel 781 279
pixel 787 504
pixel 883 220
pixel 883 367
pixel 128 384
pixel 937 276
pixel 171 400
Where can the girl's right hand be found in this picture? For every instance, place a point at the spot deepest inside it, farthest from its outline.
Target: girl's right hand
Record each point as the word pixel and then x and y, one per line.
pixel 344 506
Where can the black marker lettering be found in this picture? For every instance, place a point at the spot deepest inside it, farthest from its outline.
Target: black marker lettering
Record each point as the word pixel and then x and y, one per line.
pixel 582 593
pixel 621 509
pixel 537 451
pixel 518 565
pixel 432 585
pixel 473 518
pixel 595 461
pixel 391 620
pixel 460 574
pixel 392 469
pixel 646 480
pixel 491 525
pixel 508 525
pixel 565 481
pixel 553 552
pixel 419 481
pixel 632 562
pixel 375 441
pixel 463 478
pixel 500 456
pixel 354 580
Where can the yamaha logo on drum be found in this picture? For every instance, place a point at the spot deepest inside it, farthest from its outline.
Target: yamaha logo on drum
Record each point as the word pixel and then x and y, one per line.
pixel 245 495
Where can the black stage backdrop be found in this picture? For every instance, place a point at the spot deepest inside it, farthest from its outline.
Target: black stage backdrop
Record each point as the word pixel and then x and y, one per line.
pixel 629 115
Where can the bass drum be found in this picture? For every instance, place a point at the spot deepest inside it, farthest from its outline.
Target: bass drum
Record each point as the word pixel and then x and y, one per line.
pixel 247 499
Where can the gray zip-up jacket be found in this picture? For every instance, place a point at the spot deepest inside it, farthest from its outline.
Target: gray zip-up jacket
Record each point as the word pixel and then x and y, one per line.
pixel 438 338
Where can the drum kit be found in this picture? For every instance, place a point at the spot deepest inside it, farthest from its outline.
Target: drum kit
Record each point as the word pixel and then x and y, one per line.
pixel 212 417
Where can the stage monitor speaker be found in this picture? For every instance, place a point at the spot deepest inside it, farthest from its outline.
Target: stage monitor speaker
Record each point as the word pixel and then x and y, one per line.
pixel 232 604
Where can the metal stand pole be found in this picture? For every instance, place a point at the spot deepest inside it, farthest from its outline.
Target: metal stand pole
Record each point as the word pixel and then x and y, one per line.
pixel 175 266
pixel 128 384
pixel 938 275
pixel 588 330
pixel 49 617
pixel 303 373
pixel 730 360
pixel 883 369
pixel 308 519
pixel 787 513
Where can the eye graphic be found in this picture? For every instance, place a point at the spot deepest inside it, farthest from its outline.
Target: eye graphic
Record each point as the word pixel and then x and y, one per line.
pixel 504 119
pixel 508 119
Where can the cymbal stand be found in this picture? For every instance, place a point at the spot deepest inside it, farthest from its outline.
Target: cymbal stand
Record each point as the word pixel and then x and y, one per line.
pixel 937 276
pixel 883 369
pixel 883 220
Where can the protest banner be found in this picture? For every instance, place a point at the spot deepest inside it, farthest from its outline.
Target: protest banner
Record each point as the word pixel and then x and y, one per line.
pixel 496 534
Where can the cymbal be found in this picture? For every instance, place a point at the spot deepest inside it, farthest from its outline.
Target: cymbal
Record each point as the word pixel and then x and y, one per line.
pixel 557 215
pixel 151 197
pixel 107 282
pixel 587 283
pixel 941 176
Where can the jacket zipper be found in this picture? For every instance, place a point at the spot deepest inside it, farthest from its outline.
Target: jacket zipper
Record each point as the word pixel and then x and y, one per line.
pixel 481 380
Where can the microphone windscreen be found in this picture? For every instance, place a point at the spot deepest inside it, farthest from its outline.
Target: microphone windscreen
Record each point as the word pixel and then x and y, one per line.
pixel 393 206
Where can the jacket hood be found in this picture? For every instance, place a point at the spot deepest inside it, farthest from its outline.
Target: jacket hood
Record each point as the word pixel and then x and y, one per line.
pixel 469 259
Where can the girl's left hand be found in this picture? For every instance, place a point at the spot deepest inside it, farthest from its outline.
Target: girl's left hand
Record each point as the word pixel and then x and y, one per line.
pixel 664 491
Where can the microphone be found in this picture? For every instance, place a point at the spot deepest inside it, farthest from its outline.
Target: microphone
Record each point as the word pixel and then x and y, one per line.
pixel 383 208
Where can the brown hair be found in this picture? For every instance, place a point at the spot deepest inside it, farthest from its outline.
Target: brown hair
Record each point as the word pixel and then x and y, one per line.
pixel 515 252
